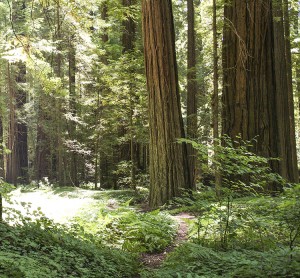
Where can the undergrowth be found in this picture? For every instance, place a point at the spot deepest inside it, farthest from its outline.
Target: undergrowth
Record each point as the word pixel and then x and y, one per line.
pixel 192 260
pixel 124 228
pixel 37 250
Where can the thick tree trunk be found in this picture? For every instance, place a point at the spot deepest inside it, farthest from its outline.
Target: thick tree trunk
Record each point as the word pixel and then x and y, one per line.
pixel 169 172
pixel 17 159
pixel 191 90
pixel 255 91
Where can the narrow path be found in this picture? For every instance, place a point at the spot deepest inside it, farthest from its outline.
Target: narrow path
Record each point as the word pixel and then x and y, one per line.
pixel 155 260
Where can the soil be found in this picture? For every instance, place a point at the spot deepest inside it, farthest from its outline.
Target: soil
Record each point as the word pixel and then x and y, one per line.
pixel 155 260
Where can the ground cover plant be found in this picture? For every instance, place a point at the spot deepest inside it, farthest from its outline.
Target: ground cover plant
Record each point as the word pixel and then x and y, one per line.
pixel 241 236
pixel 240 231
pixel 45 249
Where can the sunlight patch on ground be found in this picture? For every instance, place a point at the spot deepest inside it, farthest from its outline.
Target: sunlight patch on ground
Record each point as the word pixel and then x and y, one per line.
pixel 55 207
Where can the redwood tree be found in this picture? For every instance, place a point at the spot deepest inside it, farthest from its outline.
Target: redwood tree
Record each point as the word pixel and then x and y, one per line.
pixel 256 101
pixel 17 159
pixel 191 87
pixel 169 172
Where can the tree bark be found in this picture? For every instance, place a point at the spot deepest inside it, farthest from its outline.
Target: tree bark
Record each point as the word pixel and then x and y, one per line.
pixel 128 40
pixel 59 157
pixel 2 176
pixel 169 171
pixel 73 109
pixel 288 58
pixel 255 86
pixel 215 98
pixel 17 159
pixel 191 90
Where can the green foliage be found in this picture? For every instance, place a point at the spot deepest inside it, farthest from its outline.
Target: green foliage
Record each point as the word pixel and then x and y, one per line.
pixel 5 187
pixel 132 231
pixel 44 249
pixel 260 223
pixel 242 170
pixel 193 260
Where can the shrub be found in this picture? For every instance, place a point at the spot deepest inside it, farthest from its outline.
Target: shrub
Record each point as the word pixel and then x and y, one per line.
pixel 193 260
pixel 35 250
pixel 132 231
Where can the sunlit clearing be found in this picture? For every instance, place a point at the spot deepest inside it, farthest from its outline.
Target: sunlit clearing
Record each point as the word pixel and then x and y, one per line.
pixel 60 209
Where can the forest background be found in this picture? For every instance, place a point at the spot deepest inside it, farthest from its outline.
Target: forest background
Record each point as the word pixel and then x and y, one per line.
pixel 191 107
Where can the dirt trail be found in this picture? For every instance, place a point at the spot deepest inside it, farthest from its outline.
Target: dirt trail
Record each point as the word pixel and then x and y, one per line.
pixel 155 260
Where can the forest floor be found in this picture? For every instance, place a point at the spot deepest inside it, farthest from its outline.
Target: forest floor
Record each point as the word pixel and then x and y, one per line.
pixel 155 260
pixel 63 204
pixel 59 206
pixel 121 224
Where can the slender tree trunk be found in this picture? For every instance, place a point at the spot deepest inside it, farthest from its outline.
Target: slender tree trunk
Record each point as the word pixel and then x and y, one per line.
pixel 169 171
pixel 43 144
pixel 100 161
pixel 22 144
pixel 12 167
pixel 297 68
pixel 288 57
pixel 73 109
pixel 2 173
pixel 128 39
pixel 285 103
pixel 1 209
pixel 215 98
pixel 59 128
pixel 191 90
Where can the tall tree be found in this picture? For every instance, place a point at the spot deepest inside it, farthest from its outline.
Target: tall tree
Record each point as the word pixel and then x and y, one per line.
pixel 1 148
pixel 191 88
pixel 72 108
pixel 169 171
pixel 285 14
pixel 255 92
pixel 128 39
pixel 215 96
pixel 17 159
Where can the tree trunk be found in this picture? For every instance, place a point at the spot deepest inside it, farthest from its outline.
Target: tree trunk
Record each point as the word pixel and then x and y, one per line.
pixel 288 167
pixel 17 160
pixel 2 176
pixel 191 90
pixel 100 161
pixel 169 172
pixel 43 144
pixel 73 109
pixel 215 98
pixel 60 170
pixel 128 39
pixel 255 91
pixel 21 143
pixel 288 57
